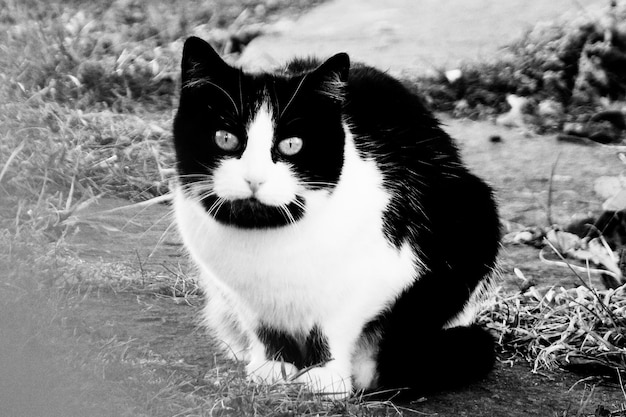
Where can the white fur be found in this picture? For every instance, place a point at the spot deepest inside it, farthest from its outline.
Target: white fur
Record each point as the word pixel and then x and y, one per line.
pixel 255 174
pixel 474 305
pixel 364 366
pixel 333 268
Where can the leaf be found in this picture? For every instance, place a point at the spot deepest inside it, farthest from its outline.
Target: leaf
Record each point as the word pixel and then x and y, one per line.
pixel 615 203
pixel 604 256
pixel 607 187
pixel 74 80
pixel 564 242
pixel 600 254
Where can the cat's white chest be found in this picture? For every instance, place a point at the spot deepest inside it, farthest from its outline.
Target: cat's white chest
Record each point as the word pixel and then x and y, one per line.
pixel 334 263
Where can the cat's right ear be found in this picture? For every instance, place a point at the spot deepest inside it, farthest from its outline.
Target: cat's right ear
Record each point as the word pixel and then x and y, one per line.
pixel 200 61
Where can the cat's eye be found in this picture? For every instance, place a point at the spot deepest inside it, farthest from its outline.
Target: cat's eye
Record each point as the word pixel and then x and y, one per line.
pixel 226 140
pixel 290 146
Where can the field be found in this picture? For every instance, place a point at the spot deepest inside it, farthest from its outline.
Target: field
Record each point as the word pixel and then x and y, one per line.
pixel 98 305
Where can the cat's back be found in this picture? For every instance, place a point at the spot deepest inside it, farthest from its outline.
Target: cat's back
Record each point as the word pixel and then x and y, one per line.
pixel 391 118
pixel 421 165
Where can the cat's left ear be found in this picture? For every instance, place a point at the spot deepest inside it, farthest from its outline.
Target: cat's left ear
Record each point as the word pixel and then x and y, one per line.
pixel 332 75
pixel 201 61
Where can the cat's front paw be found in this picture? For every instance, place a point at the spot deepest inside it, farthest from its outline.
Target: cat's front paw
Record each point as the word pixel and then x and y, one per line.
pixel 328 382
pixel 270 372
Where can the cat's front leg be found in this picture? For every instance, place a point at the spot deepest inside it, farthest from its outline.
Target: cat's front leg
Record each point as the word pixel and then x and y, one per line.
pixel 262 370
pixel 331 380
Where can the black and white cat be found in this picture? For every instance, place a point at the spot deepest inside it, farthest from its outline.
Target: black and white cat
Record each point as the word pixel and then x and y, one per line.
pixel 339 238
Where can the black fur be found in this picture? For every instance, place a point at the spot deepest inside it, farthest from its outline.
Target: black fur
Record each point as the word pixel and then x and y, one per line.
pixel 300 349
pixel 445 213
pixel 252 214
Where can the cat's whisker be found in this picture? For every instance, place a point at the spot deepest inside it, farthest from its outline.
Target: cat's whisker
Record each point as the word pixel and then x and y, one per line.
pixel 205 190
pixel 240 94
pixel 194 188
pixel 300 205
pixel 219 207
pixel 193 176
pixel 317 184
pixel 222 201
pixel 207 167
pixel 197 185
pixel 215 207
pixel 131 221
pixel 288 216
pixel 201 189
pixel 293 96
pixel 206 195
pixel 277 103
pixel 205 81
pixel 163 217
pixel 296 119
pixel 162 238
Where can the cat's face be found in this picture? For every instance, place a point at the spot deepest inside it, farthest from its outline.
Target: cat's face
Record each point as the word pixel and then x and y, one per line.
pixel 250 147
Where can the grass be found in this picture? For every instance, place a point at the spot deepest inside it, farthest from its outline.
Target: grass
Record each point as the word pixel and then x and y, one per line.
pixel 580 329
pixel 86 103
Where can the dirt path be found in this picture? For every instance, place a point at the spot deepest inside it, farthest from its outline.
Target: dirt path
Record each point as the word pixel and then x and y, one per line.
pixel 408 35
pixel 166 327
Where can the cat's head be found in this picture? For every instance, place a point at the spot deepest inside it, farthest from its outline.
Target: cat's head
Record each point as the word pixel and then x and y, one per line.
pixel 251 147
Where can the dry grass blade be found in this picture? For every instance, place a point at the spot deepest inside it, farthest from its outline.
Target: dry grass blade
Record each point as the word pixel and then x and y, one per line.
pixel 583 282
pixel 11 158
pixel 551 190
pixel 572 328
pixel 165 198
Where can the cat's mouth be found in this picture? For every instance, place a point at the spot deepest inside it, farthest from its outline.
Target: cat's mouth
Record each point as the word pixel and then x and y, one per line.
pixel 250 213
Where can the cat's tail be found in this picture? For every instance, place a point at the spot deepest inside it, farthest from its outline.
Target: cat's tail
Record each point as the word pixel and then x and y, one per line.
pixel 424 364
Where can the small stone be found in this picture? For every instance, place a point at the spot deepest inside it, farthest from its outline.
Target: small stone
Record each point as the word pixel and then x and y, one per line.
pixel 453 75
pixel 260 10
pixel 515 116
pixel 549 108
pixel 575 129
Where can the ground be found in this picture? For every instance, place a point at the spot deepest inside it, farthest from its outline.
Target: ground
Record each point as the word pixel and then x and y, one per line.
pixel 99 309
pixel 155 324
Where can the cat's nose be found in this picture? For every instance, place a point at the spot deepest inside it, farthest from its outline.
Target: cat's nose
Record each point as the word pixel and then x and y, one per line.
pixel 254 184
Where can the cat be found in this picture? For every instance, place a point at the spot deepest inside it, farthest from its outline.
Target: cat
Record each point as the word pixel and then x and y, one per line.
pixel 340 240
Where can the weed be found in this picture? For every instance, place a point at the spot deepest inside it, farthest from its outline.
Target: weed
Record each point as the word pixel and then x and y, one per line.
pixel 580 328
